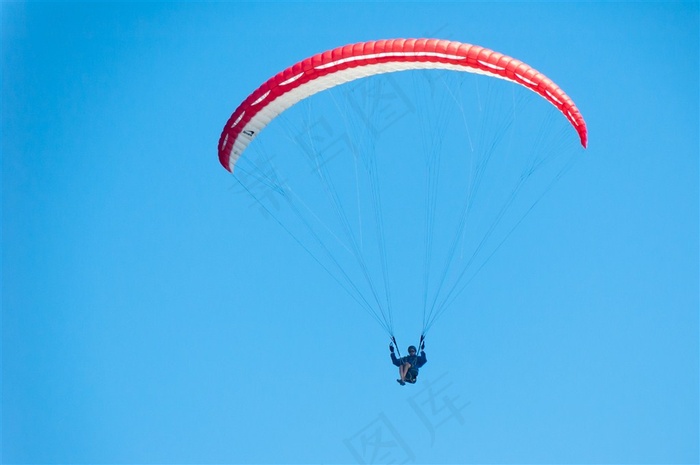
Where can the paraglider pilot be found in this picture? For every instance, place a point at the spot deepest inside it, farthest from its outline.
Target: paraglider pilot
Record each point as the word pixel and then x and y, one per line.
pixel 408 365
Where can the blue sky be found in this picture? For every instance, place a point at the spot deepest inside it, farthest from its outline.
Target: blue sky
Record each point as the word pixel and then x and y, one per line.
pixel 151 315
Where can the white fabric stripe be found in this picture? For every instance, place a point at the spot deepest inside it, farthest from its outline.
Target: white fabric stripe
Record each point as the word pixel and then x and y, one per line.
pixel 390 54
pixel 291 79
pixel 489 65
pixel 524 79
pixel 261 98
pixel 238 120
pixel 553 97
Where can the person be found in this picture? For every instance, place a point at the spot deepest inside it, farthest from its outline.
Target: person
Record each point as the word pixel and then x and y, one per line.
pixel 408 365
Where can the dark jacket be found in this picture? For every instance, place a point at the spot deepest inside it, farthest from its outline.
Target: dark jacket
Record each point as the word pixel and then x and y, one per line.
pixel 416 361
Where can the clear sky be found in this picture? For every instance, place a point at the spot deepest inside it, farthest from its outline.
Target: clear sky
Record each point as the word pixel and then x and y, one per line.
pixel 151 314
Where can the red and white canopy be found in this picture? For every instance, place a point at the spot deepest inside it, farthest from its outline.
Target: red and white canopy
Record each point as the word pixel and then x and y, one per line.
pixel 344 64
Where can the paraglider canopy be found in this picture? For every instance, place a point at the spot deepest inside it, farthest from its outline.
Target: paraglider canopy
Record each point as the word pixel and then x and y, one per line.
pixel 350 62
